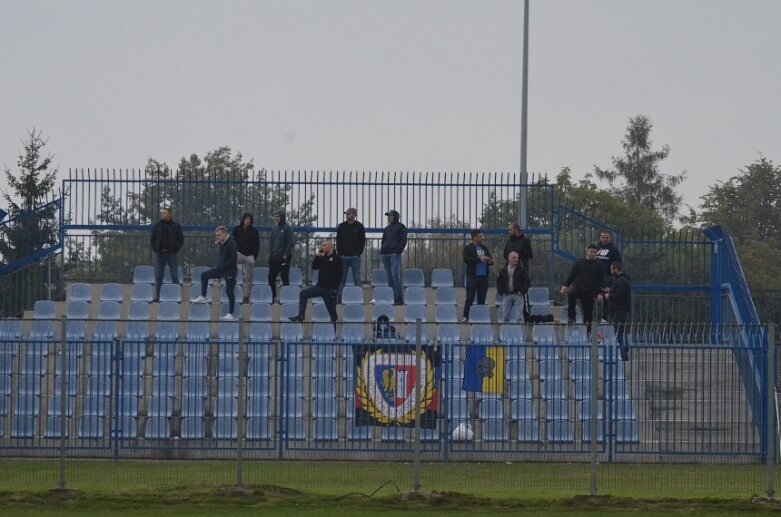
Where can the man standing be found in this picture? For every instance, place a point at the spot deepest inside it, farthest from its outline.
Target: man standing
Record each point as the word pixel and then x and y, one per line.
pixel 248 244
pixel 519 243
pixel 513 284
pixel 394 240
pixel 280 252
pixel 584 283
pixel 330 266
pixel 620 297
pixel 350 243
pixel 607 254
pixel 166 240
pixel 478 260
pixel 226 269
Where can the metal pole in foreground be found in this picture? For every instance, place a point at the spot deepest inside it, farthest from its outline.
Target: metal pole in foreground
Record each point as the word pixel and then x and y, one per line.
pixel 593 416
pixel 524 116
pixel 771 407
pixel 63 400
pixel 418 323
pixel 240 421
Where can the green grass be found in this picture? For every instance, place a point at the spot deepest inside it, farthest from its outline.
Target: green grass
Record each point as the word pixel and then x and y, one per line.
pixel 130 487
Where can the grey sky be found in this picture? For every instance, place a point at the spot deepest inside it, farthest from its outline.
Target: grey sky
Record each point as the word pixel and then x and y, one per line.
pixel 392 85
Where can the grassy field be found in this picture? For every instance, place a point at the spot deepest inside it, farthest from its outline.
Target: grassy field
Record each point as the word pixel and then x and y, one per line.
pixel 316 488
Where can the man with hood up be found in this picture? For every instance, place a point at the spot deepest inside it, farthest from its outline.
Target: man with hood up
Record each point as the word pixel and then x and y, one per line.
pixel 620 297
pixel 248 243
pixel 280 251
pixel 394 240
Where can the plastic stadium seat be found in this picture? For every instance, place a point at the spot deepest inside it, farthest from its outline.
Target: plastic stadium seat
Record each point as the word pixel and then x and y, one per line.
pixel 623 410
pixel 91 427
pixel 144 275
pixel 354 313
pixel 511 334
pixel 413 277
pixel 258 428
pixel 53 423
pixel 6 364
pixel 164 366
pixel 538 296
pixel 28 404
pixel 352 294
pixel 258 406
pixel 194 366
pixel 382 295
pixel 578 314
pixel 414 296
pixel 554 389
pixel 556 409
pixel 44 310
pixel 167 275
pixel 99 385
pixel 93 405
pixel 192 428
pixel 324 406
pixel 617 390
pixel 71 384
pixel 584 410
pixel 550 369
pixel 23 426
pixel 228 335
pixel 194 387
pixel 541 310
pixel 289 294
pixel 192 406
pixel 258 387
pixel 325 429
pixel 261 294
pixel 127 405
pixel 131 386
pixel 227 366
pixel 296 278
pixel 320 313
pixel 560 431
pixel 10 328
pixel 356 433
pixel 238 294
pixel 445 314
pixel 226 407
pixel 516 369
pixel 81 293
pixel 163 387
pixel 111 293
pixel 171 293
pixel 228 387
pixel 157 428
pixel 225 428
pixel 576 334
pixel 627 431
pixel 168 311
pixel 580 369
pixel 448 333
pixel 142 293
pixel 383 310
pixel 441 277
pixel 294 428
pixel 5 385
pixel 260 312
pixel 199 312
pixel 139 311
pixel 379 278
pixel 491 408
pixel 522 409
pixel 585 432
pixel 494 430
pixel 291 332
pixel 445 296
pixel 128 427
pixel 457 409
pixel 195 277
pixel 479 314
pixel 392 434
pixel 33 364
pixel 543 333
pixel 71 364
pixel 260 276
pixel 195 292
pixel 30 384
pixel 258 367
pixel 481 334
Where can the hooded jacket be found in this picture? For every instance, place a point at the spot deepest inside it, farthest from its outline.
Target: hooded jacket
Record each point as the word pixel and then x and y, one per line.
pixel 606 255
pixel 621 294
pixel 394 236
pixel 281 238
pixel 247 239
pixel 523 246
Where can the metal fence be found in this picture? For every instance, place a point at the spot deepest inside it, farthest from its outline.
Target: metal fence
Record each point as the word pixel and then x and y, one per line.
pixel 433 395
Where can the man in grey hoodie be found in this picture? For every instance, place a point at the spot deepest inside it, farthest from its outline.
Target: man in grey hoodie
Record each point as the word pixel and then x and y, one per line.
pixel 394 240
pixel 280 252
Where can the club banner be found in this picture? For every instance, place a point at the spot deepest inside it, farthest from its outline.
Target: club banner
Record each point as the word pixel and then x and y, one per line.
pixel 385 377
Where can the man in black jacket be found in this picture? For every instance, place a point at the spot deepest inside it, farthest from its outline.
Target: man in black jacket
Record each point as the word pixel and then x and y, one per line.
pixel 394 240
pixel 607 254
pixel 620 296
pixel 280 253
pixel 478 260
pixel 226 269
pixel 167 239
pixel 513 284
pixel 350 243
pixel 248 244
pixel 585 282
pixel 330 266
pixel 520 243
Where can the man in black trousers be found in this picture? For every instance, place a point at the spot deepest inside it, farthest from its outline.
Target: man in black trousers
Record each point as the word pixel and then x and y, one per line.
pixel 585 282
pixel 330 266
pixel 478 260
pixel 226 269
pixel 620 297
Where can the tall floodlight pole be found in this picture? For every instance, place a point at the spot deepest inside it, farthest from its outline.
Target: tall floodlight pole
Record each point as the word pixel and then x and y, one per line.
pixel 524 116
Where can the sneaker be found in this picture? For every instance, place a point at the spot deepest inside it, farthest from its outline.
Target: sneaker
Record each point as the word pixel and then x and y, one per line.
pixel 297 319
pixel 200 299
pixel 228 317
pixel 372 301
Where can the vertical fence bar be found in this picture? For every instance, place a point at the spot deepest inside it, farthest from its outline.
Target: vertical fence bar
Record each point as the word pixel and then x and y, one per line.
pixel 63 400
pixel 593 416
pixel 771 399
pixel 240 422
pixel 418 323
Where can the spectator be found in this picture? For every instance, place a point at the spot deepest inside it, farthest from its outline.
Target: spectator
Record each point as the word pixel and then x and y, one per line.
pixel 350 243
pixel 478 260
pixel 607 254
pixel 330 266
pixel 394 240
pixel 166 240
pixel 513 284
pixel 620 297
pixel 226 269
pixel 280 252
pixel 584 283
pixel 519 243
pixel 248 243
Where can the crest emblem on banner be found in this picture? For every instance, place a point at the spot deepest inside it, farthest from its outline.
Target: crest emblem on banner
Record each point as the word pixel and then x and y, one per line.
pixel 385 386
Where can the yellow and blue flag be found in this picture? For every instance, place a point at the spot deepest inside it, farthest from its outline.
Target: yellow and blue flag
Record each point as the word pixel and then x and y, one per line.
pixel 484 369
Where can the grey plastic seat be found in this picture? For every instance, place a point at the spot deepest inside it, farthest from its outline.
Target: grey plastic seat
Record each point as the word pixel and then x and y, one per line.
pixel 320 313
pixel 91 427
pixel 93 405
pixel 479 314
pixel 538 296
pixel 144 275
pixel 258 428
pixel 142 293
pixel 383 310
pixel 560 431
pixel 289 294
pixel 53 423
pixel 192 428
pixel 226 407
pixel 326 429
pixel 44 310
pixel 441 277
pixel 379 278
pixel 225 428
pixel 296 278
pixel 260 276
pixel 111 293
pixel 81 293
pixel 171 293
pixel 556 409
pixel 261 294
pixel 167 275
pixel 446 314
pixel 445 296
pixel 481 334
pixel 382 295
pixel 413 277
pixel 28 404
pixel 627 431
pixel 414 296
pixel 352 294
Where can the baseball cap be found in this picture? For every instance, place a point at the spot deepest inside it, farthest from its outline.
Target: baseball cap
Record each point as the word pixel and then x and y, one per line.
pixel 351 211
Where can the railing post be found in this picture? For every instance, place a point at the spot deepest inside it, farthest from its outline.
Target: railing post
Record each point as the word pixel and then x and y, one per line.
pixel 418 328
pixel 63 399
pixel 593 416
pixel 771 406
pixel 240 422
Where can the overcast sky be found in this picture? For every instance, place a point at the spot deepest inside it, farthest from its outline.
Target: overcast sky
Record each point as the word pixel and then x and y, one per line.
pixel 417 85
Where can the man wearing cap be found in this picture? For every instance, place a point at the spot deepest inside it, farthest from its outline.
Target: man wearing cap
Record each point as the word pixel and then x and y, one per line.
pixel 350 243
pixel 167 239
pixel 394 240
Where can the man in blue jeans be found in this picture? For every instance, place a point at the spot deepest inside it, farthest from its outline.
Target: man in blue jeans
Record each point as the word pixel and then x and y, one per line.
pixel 350 243
pixel 394 240
pixel 478 260
pixel 166 240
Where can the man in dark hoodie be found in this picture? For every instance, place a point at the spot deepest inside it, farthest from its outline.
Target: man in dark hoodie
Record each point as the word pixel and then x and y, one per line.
pixel 280 252
pixel 620 297
pixel 226 269
pixel 607 254
pixel 519 243
pixel 394 240
pixel 167 239
pixel 478 260
pixel 350 243
pixel 248 244
pixel 329 264
pixel 585 282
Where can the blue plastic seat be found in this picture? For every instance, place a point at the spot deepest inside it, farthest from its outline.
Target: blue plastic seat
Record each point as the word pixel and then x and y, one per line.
pixel 320 314
pixel 392 434
pixel 192 428
pixel 582 389
pixel 44 310
pixel 584 410
pixel 81 293
pixel 446 314
pixel 512 334
pixel 354 313
pixel 358 433
pixel 448 333
pixel 413 277
pixel 195 276
pixel 157 428
pixel 258 428
pixel 543 333
pixel 627 431
pixel 237 294
pixel 415 296
pixel 481 334
pixel 225 428
pixel 576 335
pixel 93 405
pixel 71 364
pixel 550 369
pixel 617 390
pixel 261 294
pixel 164 366
pixel 411 314
pixel 296 278
pixel 144 275
pixel 228 387
pixel 75 329
pixel 28 404
pixel 383 295
pixel 258 387
pixel 257 406
pixel 127 428
pixel 30 384
pixel 164 387
pixel 352 294
pixel 522 409
pixel 111 293
pixel 127 405
pixel 227 366
pixel 91 427
pixel 383 310
pixel 295 428
pixel 560 431
pixel 491 408
pixel 445 296
pixel 33 364
pixel 479 314
pixel 457 409
pixel 289 295
pixel 624 410
pixel 168 311
pixel 441 277
pixel 260 312
pixel 580 369
pixel 556 409
pixel 194 387
pixel 585 432
pixel 139 311
pixel 228 336
pixel 142 293
pixel 53 423
pixel 195 292
pixel 99 384
pixel 226 407
pixel 538 296
pixel 23 426
pixel 166 332
pixel 554 389
pixel 171 293
pixel 167 275
pixel 5 385
pixel 10 329
pixel 260 276
pixel 379 278
pixel 494 430
pixel 516 369
pixel 325 429
pixel 192 406
pixel 6 364
pixel 131 385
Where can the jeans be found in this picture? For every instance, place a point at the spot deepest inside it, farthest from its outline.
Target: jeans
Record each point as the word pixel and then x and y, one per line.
pixel 230 285
pixel 392 265
pixel 328 296
pixel 619 319
pixel 247 262
pixel 276 268
pixel 350 262
pixel 510 301
pixel 586 298
pixel 162 261
pixel 475 285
